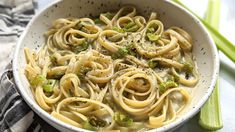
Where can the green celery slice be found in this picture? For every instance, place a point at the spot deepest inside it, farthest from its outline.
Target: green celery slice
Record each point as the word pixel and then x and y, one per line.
pixel 49 86
pixel 122 119
pixel 38 80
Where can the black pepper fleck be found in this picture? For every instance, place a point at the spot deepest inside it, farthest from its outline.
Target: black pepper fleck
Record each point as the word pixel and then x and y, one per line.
pixel 90 15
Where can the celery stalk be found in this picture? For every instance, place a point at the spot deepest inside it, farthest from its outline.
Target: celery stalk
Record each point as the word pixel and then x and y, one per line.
pixel 221 42
pixel 210 115
pixel 213 13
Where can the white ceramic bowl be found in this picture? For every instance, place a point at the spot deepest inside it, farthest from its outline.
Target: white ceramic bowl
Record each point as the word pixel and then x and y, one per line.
pixel 204 49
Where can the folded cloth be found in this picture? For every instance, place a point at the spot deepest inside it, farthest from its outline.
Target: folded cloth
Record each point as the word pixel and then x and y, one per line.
pixel 15 114
pixel 14 16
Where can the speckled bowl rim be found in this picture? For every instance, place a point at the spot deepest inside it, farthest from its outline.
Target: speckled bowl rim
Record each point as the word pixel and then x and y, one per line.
pixel 53 121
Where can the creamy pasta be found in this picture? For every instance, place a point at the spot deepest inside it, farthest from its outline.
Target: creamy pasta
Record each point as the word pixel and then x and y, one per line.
pixel 118 72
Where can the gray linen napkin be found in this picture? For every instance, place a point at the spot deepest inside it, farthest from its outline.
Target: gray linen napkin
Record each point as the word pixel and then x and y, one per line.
pixel 15 114
pixel 14 16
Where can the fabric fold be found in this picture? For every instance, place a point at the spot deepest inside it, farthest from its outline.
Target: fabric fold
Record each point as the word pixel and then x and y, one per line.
pixel 15 114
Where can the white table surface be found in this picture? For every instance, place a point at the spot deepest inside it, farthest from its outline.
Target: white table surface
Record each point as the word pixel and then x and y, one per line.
pixel 227 67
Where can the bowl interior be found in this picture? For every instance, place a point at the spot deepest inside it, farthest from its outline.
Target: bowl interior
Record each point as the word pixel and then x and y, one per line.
pixel 204 50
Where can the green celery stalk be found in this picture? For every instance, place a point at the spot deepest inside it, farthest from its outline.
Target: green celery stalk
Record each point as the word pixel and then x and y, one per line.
pixel 213 13
pixel 221 42
pixel 210 115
